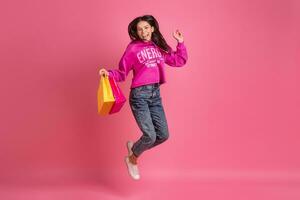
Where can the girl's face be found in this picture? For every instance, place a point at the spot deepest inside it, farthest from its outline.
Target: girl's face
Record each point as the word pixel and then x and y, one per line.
pixel 144 30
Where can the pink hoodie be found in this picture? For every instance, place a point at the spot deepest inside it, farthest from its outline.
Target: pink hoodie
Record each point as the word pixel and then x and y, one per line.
pixel 147 60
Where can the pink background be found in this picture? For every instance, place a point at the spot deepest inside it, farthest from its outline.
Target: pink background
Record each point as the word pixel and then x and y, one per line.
pixel 233 110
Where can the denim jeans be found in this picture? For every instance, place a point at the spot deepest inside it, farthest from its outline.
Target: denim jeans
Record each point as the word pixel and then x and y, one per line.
pixel 147 108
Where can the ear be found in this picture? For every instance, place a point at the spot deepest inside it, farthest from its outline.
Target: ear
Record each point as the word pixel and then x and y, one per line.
pixel 152 29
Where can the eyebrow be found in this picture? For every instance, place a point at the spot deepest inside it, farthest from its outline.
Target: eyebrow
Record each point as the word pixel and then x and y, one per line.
pixel 144 26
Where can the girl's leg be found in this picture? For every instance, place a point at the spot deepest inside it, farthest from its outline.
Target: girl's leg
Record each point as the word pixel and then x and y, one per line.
pixel 144 121
pixel 139 103
pixel 158 118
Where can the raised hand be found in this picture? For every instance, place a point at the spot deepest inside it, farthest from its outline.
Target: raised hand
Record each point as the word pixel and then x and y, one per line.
pixel 178 36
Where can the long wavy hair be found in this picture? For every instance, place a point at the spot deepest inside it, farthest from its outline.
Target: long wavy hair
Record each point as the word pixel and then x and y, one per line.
pixel 156 37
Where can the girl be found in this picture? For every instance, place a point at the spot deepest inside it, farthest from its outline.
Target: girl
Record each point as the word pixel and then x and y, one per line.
pixel 146 55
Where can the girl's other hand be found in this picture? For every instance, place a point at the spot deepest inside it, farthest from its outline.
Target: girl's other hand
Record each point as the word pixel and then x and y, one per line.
pixel 178 36
pixel 103 72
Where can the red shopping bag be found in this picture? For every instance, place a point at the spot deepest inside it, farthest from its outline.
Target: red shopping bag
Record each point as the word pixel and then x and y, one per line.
pixel 120 99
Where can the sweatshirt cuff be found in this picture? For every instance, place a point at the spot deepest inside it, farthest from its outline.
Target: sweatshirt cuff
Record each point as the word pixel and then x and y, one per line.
pixel 110 74
pixel 180 44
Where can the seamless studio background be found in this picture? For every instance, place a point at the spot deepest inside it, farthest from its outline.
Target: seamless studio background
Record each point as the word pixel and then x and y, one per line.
pixel 233 110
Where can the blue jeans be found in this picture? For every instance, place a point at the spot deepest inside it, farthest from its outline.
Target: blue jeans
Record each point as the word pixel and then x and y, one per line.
pixel 146 106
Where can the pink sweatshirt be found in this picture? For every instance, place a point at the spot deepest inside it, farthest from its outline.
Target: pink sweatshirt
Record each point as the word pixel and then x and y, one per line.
pixel 147 61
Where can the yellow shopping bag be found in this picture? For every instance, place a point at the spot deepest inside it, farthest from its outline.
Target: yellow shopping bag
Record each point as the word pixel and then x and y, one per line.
pixel 105 96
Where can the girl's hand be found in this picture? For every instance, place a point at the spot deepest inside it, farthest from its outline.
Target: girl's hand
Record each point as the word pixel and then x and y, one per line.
pixel 103 72
pixel 178 36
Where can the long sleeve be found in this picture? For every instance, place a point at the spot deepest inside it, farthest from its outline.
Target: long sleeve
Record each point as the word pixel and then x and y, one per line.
pixel 177 58
pixel 124 68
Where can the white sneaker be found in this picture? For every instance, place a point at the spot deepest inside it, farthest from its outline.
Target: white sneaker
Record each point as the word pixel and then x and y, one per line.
pixel 129 147
pixel 132 169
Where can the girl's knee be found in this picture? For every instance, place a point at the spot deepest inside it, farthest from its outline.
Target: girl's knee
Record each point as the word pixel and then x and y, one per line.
pixel 150 139
pixel 163 137
pixel 166 137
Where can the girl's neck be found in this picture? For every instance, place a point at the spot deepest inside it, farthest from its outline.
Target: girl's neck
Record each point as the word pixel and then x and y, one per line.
pixel 146 41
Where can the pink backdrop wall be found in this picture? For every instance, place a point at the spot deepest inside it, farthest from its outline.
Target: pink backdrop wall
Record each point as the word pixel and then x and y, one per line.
pixel 233 110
